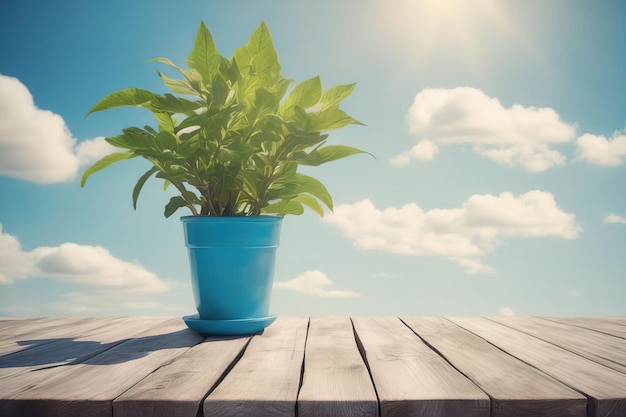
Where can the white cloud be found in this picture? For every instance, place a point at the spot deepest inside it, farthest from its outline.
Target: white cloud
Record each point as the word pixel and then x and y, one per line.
pixel 14 263
pixel 91 266
pixel 515 136
pixel 598 150
pixel 506 311
pixel 424 151
pixel 35 144
pixel 614 218
pixel 91 150
pixel 462 235
pixel 103 301
pixel 314 283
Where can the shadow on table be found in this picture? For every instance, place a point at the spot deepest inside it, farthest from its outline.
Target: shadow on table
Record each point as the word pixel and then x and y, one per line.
pixel 48 353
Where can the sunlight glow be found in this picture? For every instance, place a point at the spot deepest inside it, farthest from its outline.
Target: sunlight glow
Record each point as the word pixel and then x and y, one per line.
pixel 437 27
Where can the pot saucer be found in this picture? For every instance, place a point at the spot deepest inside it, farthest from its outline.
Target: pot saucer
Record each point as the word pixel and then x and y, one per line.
pixel 237 327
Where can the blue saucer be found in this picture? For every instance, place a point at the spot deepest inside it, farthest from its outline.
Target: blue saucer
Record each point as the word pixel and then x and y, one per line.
pixel 228 327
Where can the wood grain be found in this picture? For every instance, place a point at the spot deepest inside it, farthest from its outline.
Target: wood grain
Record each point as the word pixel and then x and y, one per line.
pixel 49 356
pixel 88 388
pixel 515 388
pixel 336 381
pixel 17 330
pixel 266 379
pixel 604 387
pixel 38 334
pixel 606 325
pixel 602 348
pixel 411 379
pixel 178 388
pixel 9 329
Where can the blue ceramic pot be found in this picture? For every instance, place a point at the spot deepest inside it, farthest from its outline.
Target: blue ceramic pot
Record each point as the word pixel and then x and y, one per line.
pixel 232 265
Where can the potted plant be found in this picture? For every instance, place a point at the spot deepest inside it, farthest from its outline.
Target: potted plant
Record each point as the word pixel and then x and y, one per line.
pixel 230 141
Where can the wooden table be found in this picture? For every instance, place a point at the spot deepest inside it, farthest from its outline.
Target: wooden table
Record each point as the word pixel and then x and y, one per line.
pixel 359 366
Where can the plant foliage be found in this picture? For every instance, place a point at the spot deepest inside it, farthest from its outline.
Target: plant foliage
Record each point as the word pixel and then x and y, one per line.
pixel 231 137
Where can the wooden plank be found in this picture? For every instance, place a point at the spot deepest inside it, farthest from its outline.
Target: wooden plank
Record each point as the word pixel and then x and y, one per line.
pixel 411 379
pixel 24 370
pixel 604 387
pixel 10 327
pixel 10 330
pixel 88 388
pixel 602 348
pixel 601 324
pixel 336 381
pixel 179 388
pixel 266 379
pixel 68 350
pixel 515 388
pixel 39 334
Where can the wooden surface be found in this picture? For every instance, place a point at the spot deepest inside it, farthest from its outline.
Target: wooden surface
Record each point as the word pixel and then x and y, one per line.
pixel 266 379
pixel 514 387
pixel 336 380
pixel 412 379
pixel 340 366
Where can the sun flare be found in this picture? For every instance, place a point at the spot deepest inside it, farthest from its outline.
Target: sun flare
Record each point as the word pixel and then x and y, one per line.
pixel 434 26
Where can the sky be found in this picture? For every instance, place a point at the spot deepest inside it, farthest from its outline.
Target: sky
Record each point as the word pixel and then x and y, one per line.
pixel 497 188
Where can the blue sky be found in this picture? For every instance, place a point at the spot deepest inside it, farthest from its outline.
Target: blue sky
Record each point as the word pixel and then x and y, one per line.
pixel 498 184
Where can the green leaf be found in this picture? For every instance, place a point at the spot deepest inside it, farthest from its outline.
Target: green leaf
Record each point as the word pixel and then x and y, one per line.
pixel 178 86
pixel 258 56
pixel 265 101
pixel 105 162
pixel 166 122
pixel 174 204
pixel 315 188
pixel 172 104
pixel 193 77
pixel 281 86
pixel 335 95
pixel 175 173
pixel 284 207
pixel 166 61
pixel 166 141
pixel 330 119
pixel 142 180
pixel 306 94
pixel 195 80
pixel 204 57
pixel 292 185
pixel 335 152
pixel 126 97
pixel 311 203
pixel 135 139
pixel 328 154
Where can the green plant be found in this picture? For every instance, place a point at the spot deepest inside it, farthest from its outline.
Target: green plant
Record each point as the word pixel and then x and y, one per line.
pixel 232 138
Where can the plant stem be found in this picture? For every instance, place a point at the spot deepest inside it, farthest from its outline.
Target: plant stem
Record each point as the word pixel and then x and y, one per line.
pixel 183 191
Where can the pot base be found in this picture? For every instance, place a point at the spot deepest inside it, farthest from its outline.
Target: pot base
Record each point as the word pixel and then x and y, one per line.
pixel 238 327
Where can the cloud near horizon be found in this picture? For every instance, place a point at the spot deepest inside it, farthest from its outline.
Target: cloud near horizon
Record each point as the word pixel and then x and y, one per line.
pixel 614 218
pixel 35 144
pixel 88 266
pixel 315 283
pixel 462 235
pixel 104 301
pixel 506 312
